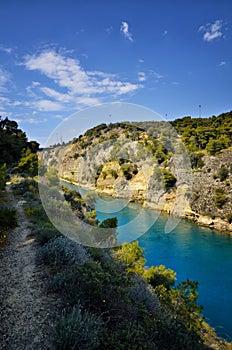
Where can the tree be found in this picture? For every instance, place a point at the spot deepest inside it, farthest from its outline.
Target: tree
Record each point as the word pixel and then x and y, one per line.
pixel 28 164
pixel 133 256
pixel 169 179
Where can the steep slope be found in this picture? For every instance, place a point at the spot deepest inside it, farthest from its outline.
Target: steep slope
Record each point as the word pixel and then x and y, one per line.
pixel 147 162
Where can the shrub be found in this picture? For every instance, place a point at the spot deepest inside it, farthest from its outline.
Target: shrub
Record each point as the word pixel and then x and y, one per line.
pixel 160 275
pixel 169 179
pixel 229 217
pixel 62 251
pixel 77 329
pixel 2 177
pixel 8 218
pixel 109 223
pixel 223 173
pixel 27 185
pixel 219 198
pixel 45 234
pixel 196 160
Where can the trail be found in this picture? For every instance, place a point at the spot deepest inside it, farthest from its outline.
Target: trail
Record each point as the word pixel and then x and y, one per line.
pixel 27 312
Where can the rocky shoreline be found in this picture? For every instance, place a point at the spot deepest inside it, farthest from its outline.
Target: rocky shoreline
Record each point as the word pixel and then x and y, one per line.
pixel 188 214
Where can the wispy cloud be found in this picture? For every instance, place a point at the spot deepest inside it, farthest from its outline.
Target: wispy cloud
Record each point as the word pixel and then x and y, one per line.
pixel 222 63
pixel 6 49
pixel 165 32
pixel 212 31
pixel 142 76
pixel 47 105
pixel 76 86
pixel 4 79
pixel 125 30
pixel 109 29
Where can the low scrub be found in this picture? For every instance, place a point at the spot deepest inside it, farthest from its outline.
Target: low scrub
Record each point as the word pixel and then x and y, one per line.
pixel 78 329
pixel 8 218
pixel 62 251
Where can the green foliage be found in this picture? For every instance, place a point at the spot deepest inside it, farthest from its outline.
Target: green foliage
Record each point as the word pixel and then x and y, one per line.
pixel 13 142
pixel 133 256
pixel 211 134
pixel 44 233
pixel 61 251
pixel 109 223
pixel 77 329
pixel 223 173
pixel 229 217
pixel 52 176
pixel 2 177
pixel 129 170
pixel 196 160
pixel 168 178
pixel 28 164
pixel 160 275
pixel 219 198
pixel 8 218
pixel 26 185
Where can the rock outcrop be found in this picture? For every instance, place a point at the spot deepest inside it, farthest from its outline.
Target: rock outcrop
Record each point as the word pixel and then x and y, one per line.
pixel 115 164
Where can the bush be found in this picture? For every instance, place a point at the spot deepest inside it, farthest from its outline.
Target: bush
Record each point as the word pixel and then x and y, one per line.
pixel 196 160
pixel 219 198
pixel 62 251
pixel 160 275
pixel 2 177
pixel 45 234
pixel 223 173
pixel 8 218
pixel 27 185
pixel 77 329
pixel 169 179
pixel 229 217
pixel 109 223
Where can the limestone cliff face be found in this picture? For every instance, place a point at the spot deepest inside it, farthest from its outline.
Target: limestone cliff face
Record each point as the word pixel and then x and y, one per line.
pixel 130 175
pixel 205 209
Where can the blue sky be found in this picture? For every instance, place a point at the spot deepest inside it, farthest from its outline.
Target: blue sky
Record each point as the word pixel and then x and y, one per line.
pixel 58 57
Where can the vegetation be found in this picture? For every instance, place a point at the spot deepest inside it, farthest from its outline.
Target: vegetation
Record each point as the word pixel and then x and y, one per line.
pixel 210 134
pixel 13 142
pixel 111 301
pixel 8 219
pixel 219 198
pixel 223 173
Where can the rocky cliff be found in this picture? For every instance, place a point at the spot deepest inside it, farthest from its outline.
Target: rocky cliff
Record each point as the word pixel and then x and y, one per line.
pixel 123 161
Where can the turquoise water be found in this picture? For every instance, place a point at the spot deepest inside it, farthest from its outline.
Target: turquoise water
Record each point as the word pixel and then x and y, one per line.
pixel 193 252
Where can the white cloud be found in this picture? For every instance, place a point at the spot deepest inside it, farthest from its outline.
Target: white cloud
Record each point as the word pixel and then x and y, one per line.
pixel 109 29
pixel 142 76
pixel 212 31
pixel 6 49
pixel 165 32
pixel 47 105
pixel 222 63
pixel 141 60
pixel 155 75
pixel 125 30
pixel 77 85
pixel 4 79
pixel 56 95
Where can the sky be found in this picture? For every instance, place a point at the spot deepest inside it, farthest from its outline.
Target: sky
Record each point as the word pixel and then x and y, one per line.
pixel 60 57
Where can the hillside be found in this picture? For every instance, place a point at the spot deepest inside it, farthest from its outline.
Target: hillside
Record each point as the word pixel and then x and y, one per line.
pixel 142 162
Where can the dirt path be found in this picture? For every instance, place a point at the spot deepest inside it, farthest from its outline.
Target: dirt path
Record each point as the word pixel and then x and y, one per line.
pixel 27 312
